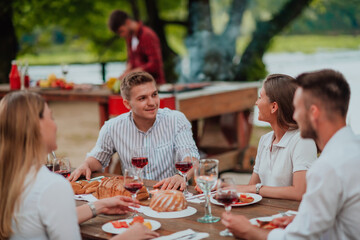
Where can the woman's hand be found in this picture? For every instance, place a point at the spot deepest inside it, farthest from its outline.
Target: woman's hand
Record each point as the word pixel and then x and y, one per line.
pixel 116 205
pixel 137 232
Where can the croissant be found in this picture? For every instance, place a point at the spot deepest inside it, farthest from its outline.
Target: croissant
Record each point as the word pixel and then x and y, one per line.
pixel 113 186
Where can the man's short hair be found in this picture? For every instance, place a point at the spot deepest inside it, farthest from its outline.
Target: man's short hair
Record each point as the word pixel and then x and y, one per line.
pixel 327 86
pixel 117 19
pixel 134 79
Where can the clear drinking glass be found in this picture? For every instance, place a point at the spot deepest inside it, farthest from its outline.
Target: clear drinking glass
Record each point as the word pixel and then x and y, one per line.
pixel 184 162
pixel 227 195
pixel 139 159
pixel 206 175
pixel 64 69
pixel 62 166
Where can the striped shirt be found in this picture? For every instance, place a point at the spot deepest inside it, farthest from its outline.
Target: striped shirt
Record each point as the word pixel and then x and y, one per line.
pixel 165 141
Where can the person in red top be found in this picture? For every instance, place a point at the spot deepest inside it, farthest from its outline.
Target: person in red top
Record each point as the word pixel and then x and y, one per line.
pixel 143 45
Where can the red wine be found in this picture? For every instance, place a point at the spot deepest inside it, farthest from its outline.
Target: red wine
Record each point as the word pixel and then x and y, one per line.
pixel 183 166
pixel 133 187
pixel 227 198
pixel 139 162
pixel 50 167
pixel 65 173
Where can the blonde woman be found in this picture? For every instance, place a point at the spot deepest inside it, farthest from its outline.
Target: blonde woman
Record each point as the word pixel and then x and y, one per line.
pixel 36 203
pixel 283 157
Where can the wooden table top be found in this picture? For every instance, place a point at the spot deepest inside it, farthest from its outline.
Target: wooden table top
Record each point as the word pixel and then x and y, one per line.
pixel 91 229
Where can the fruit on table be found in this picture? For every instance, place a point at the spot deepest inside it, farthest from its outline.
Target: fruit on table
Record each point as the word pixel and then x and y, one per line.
pixel 116 86
pixel 110 83
pixel 54 82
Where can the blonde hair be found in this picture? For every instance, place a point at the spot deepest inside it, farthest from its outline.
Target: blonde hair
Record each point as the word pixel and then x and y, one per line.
pixel 21 149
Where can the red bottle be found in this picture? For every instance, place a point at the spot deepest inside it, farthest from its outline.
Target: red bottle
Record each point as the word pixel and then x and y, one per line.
pixel 14 77
pixel 26 77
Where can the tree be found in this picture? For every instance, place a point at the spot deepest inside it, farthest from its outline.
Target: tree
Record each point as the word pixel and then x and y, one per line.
pixel 213 56
pixel 8 41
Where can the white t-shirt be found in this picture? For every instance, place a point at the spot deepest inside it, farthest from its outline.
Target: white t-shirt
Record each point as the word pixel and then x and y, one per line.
pixel 330 207
pixel 47 210
pixel 291 154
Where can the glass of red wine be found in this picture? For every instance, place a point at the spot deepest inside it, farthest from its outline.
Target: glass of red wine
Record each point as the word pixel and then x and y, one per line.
pixel 62 166
pixel 50 162
pixel 227 195
pixel 184 162
pixel 139 158
pixel 132 182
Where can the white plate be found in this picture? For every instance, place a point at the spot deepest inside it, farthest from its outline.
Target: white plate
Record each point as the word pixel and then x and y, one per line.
pixel 179 214
pixel 270 218
pixel 257 198
pixel 109 228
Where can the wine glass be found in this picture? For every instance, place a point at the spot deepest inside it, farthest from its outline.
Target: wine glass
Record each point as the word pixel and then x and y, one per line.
pixel 132 182
pixel 64 69
pixel 62 166
pixel 139 158
pixel 184 162
pixel 50 162
pixel 227 195
pixel 206 175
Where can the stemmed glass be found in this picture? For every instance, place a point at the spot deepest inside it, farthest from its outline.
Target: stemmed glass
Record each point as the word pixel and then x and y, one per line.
pixel 227 195
pixel 184 162
pixel 64 69
pixel 132 182
pixel 62 166
pixel 139 158
pixel 206 175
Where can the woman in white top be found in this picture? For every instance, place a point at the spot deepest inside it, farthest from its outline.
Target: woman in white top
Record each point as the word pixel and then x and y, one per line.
pixel 36 203
pixel 283 157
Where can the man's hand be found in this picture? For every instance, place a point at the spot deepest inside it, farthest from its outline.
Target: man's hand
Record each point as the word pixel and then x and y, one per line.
pixel 241 227
pixel 173 182
pixel 137 232
pixel 116 205
pixel 82 170
pixel 283 221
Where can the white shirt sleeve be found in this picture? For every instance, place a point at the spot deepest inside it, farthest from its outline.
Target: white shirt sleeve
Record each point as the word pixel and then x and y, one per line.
pixel 318 209
pixel 104 148
pixel 304 154
pixel 58 212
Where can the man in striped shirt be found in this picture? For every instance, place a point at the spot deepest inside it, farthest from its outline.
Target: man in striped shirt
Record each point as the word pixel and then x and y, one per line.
pixel 165 133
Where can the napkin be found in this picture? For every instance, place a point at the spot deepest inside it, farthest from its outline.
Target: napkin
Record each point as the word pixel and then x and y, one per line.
pixel 183 235
pixel 86 197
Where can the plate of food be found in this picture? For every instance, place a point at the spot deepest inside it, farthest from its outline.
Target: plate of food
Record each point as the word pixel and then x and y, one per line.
pixel 264 222
pixel 267 222
pixel 244 199
pixel 120 226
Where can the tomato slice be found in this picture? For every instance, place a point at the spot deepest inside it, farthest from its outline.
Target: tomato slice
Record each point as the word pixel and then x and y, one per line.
pixel 138 219
pixel 120 224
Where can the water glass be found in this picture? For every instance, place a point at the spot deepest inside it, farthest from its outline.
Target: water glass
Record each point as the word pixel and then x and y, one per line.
pixel 206 175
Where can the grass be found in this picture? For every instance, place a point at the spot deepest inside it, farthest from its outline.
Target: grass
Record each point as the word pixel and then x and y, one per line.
pixel 76 53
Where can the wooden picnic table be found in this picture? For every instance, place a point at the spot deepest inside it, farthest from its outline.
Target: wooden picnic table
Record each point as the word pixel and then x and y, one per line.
pixel 91 229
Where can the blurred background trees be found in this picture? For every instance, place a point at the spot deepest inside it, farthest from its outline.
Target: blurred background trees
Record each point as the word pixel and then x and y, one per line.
pixel 202 40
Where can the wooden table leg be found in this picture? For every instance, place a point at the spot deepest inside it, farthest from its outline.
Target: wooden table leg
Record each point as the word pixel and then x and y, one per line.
pixel 243 128
pixel 104 113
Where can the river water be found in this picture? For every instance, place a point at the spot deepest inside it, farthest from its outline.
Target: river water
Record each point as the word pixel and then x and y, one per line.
pixel 345 61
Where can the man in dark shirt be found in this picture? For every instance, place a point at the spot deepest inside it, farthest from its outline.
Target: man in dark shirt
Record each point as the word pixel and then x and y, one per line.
pixel 143 45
